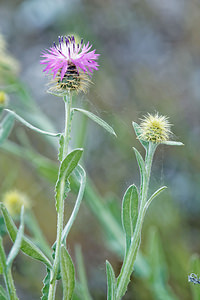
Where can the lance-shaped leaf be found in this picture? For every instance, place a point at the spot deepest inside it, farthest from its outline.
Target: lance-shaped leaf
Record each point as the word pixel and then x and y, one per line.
pixel 111 282
pixel 6 127
pixel 81 176
pixel 137 129
pixel 96 119
pixel 67 273
pixel 129 212
pixel 17 244
pixel 155 194
pixel 24 122
pixel 67 166
pixel 141 164
pixel 172 143
pixel 26 246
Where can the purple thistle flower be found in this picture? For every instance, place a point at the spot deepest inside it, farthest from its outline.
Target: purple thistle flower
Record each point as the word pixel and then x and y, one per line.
pixel 70 63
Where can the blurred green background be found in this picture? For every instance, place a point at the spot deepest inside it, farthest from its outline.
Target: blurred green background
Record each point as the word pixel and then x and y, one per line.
pixel 150 61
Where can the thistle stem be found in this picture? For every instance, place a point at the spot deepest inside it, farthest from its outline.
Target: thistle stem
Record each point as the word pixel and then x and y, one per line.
pixel 60 215
pixel 127 267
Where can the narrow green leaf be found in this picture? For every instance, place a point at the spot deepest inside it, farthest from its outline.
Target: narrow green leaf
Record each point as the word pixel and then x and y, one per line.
pixel 27 246
pixel 6 127
pixel 46 284
pixel 24 122
pixel 129 212
pixel 3 294
pixel 17 244
pixel 111 282
pixel 172 143
pixel 97 120
pixel 81 176
pixel 142 168
pixel 137 129
pixel 67 273
pixel 155 194
pixel 67 166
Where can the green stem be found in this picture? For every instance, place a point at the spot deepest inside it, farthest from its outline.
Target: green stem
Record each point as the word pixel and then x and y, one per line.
pixel 7 274
pixel 128 263
pixel 60 215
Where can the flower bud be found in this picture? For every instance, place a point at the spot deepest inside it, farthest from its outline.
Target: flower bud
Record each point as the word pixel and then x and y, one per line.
pixel 155 128
pixel 3 99
pixel 13 200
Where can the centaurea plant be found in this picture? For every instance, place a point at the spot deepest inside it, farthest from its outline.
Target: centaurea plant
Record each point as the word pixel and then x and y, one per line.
pixel 153 130
pixel 70 63
pixel 71 66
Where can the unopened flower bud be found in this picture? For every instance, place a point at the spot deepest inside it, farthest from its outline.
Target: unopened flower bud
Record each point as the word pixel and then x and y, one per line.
pixel 3 99
pixel 155 128
pixel 13 200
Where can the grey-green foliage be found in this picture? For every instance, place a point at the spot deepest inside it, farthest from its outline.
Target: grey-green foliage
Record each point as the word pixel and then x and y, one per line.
pixel 96 119
pixel 154 195
pixel 27 124
pixel 26 246
pixel 67 166
pixel 142 168
pixel 137 130
pixel 6 264
pixel 18 241
pixel 111 282
pixel 67 273
pixel 129 213
pixel 80 176
pixel 172 143
pixel 132 220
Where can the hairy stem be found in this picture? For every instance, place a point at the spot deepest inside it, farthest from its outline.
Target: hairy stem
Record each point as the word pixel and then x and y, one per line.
pixel 60 214
pixel 128 263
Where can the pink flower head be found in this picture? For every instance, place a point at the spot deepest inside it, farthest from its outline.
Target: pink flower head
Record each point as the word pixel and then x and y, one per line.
pixel 60 57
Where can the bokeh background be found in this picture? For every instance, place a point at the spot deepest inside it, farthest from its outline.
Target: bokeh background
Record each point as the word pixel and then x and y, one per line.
pixel 150 62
